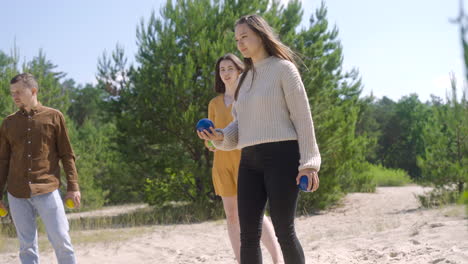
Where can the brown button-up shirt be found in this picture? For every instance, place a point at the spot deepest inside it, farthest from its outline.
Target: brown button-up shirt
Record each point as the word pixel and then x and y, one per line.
pixel 31 145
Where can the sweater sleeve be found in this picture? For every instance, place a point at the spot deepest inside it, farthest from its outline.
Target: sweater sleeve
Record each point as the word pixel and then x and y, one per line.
pixel 301 117
pixel 231 134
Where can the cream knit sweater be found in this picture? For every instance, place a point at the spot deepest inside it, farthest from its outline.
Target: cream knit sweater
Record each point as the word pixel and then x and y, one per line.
pixel 274 107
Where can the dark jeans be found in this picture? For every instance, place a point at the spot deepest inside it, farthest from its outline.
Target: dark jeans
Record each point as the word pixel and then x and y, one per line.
pixel 268 172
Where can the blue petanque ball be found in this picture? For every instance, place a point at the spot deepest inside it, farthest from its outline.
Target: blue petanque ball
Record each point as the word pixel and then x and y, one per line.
pixel 303 182
pixel 204 124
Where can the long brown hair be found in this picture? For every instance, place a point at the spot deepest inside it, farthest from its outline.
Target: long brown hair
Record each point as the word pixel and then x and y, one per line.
pixel 273 46
pixel 219 84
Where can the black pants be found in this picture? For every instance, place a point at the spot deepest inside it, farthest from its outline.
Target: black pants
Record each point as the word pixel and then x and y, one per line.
pixel 268 172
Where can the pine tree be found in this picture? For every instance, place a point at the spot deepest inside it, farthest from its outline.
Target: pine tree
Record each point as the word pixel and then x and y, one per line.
pixel 404 130
pixel 8 69
pixel 51 92
pixel 445 161
pixel 463 22
pixel 368 126
pixel 170 88
pixel 170 91
pixel 334 100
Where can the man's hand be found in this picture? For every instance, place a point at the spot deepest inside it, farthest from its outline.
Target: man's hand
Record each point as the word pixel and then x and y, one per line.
pixel 75 197
pixel 3 209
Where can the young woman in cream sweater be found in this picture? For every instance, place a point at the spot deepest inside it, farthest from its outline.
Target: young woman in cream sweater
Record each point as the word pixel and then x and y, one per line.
pixel 274 129
pixel 226 163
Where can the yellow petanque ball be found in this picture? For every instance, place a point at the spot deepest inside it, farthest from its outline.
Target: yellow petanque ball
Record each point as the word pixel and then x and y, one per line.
pixel 3 212
pixel 70 204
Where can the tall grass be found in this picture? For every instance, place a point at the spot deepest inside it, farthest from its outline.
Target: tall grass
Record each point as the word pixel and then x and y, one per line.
pixel 377 175
pixel 464 200
pixel 389 177
pixel 443 195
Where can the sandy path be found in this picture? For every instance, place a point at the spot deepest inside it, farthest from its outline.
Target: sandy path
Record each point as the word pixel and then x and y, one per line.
pixel 108 211
pixel 383 227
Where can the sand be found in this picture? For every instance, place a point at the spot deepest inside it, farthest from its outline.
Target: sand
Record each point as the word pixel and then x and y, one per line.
pixel 383 227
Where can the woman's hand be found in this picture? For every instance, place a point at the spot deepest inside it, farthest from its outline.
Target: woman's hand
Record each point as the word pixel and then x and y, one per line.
pixel 214 135
pixel 313 179
pixel 209 146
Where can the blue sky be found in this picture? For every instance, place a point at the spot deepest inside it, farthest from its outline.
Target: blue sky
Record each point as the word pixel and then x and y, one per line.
pixel 399 46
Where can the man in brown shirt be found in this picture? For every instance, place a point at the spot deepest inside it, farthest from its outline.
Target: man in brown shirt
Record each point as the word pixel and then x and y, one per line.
pixel 32 142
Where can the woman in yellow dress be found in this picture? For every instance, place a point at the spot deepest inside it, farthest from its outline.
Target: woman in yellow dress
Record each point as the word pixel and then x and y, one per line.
pixel 226 163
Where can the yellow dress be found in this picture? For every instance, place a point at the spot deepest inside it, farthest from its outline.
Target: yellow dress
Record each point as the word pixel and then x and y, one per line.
pixel 225 163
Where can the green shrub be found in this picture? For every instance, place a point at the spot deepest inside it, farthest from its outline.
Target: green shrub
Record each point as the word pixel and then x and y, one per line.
pixel 389 177
pixel 464 200
pixel 439 197
pixel 360 179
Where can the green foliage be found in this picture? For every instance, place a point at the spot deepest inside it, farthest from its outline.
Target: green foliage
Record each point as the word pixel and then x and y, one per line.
pixel 388 177
pixel 169 91
pixel 134 132
pixel 363 179
pixel 161 100
pixel 93 155
pixel 464 200
pixel 445 160
pixel 86 104
pixel 334 99
pixel 8 69
pixel 397 130
pixel 368 126
pixel 439 197
pixel 408 122
pixel 97 145
pixel 122 178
